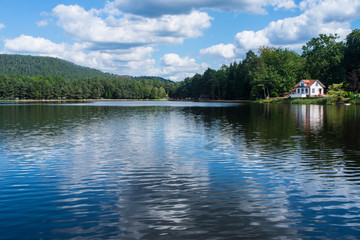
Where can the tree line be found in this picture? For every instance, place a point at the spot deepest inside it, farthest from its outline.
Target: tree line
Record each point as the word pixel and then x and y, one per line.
pixel 46 87
pixel 32 77
pixel 275 71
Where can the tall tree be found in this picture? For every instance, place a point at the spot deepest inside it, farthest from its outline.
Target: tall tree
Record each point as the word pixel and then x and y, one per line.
pixel 352 60
pixel 324 56
pixel 211 82
pixel 275 71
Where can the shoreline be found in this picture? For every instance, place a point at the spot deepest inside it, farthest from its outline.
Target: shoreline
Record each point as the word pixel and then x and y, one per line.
pixel 77 100
pixel 118 100
pixel 317 101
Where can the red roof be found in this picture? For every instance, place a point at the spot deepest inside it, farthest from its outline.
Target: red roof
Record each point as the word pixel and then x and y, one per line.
pixel 308 83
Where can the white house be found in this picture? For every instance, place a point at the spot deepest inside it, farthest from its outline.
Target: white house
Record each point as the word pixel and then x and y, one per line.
pixel 308 88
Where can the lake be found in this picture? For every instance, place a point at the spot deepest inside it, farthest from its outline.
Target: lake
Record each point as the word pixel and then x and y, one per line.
pixel 179 170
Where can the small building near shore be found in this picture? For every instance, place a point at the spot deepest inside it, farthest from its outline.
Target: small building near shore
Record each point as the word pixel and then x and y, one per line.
pixel 308 88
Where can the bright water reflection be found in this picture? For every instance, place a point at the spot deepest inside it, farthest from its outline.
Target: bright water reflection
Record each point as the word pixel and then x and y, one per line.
pixel 170 170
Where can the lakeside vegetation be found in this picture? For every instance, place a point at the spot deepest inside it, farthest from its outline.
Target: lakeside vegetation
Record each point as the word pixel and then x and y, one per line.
pixel 313 100
pixel 41 87
pixel 272 73
pixel 275 71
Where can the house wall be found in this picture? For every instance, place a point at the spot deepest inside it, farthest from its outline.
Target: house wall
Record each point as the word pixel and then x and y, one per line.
pixel 314 90
pixel 297 95
pixel 304 92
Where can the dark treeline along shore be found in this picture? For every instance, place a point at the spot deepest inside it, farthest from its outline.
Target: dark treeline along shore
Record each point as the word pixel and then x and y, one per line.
pixel 28 77
pixel 272 72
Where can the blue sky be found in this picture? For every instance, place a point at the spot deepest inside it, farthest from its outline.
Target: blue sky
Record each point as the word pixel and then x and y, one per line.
pixel 172 39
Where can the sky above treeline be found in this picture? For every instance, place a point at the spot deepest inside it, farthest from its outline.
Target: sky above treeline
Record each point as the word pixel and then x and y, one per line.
pixel 173 39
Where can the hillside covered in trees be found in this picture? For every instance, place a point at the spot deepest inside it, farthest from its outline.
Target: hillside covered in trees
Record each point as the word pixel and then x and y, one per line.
pixel 29 77
pixel 45 66
pixel 275 71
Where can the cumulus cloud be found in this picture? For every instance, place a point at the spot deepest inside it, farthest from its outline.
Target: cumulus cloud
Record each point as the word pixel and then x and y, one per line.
pixel 128 31
pixel 319 16
pixel 177 68
pixel 2 26
pixel 251 40
pixel 33 44
pixel 287 4
pixel 221 50
pixel 156 8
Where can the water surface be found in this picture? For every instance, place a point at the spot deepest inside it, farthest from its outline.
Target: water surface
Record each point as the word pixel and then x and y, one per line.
pixel 179 170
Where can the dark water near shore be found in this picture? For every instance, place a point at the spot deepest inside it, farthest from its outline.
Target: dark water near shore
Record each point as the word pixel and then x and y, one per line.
pixel 172 170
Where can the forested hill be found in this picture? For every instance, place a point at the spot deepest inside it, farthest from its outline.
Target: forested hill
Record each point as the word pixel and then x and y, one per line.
pixel 45 66
pixel 28 77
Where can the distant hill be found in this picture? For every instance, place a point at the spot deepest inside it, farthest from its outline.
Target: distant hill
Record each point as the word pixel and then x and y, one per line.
pixel 46 66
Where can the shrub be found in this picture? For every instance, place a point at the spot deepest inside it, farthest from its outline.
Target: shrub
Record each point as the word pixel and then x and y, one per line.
pixel 339 99
pixel 350 95
pixel 274 95
pixel 335 90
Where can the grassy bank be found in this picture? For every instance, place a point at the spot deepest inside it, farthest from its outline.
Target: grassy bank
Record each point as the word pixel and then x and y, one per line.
pixel 322 100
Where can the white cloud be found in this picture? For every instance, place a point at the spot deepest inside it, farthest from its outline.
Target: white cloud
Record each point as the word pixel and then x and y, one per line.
pixel 319 16
pixel 177 68
pixel 129 30
pixel 289 4
pixel 42 23
pixel 31 44
pixel 251 40
pixel 175 60
pixel 221 50
pixel 2 26
pixel 156 8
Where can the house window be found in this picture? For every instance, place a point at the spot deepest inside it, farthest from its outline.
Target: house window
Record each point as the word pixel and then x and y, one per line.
pixel 306 90
pixel 317 84
pixel 302 90
pixel 313 91
pixel 298 90
pixel 302 84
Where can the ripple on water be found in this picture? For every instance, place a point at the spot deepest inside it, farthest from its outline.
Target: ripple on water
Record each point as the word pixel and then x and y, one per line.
pixel 176 171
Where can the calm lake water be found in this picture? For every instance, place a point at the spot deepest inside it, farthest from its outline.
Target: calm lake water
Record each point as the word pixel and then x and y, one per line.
pixel 179 170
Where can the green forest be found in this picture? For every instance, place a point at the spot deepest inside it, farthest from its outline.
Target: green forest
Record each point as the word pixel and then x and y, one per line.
pixel 45 66
pixel 271 72
pixel 274 72
pixel 46 87
pixel 29 77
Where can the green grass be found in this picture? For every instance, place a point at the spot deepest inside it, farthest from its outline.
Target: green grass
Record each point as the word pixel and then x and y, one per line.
pixel 321 100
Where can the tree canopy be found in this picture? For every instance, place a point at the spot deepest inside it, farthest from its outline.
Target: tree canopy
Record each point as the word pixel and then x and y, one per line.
pixel 46 87
pixel 324 59
pixel 45 66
